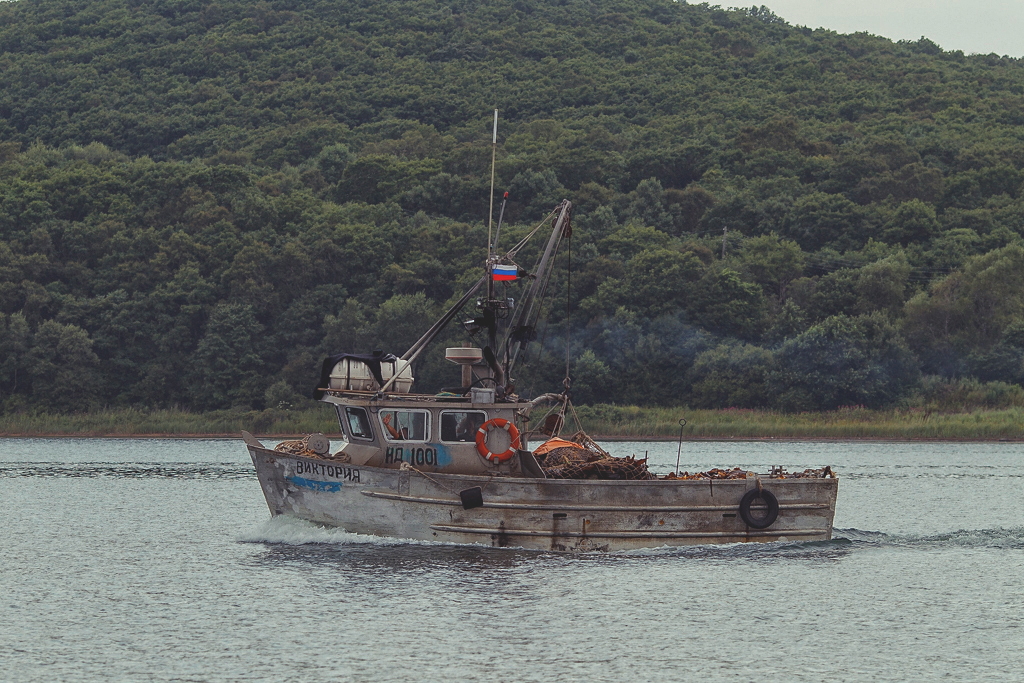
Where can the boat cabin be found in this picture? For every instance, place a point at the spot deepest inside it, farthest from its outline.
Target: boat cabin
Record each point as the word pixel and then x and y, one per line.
pixel 429 433
pixel 434 433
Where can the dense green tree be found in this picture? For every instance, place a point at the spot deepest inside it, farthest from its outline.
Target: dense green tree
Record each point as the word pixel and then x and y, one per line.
pixel 199 200
pixel 14 345
pixel 912 222
pixel 332 162
pixel 732 375
pixel 772 262
pixel 647 205
pixel 844 361
pixel 818 220
pixel 658 281
pixel 229 367
pixel 882 285
pixel 592 380
pixel 788 322
pixel 970 309
pixel 63 367
pixel 724 302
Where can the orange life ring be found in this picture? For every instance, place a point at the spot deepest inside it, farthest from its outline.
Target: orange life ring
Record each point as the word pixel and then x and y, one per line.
pixel 481 439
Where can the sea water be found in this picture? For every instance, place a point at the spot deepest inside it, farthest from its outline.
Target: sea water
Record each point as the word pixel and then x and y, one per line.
pixel 157 560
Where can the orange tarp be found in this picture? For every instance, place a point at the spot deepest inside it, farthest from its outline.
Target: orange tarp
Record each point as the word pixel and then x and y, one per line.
pixel 554 443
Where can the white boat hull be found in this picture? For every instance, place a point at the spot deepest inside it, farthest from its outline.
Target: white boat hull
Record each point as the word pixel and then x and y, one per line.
pixel 543 514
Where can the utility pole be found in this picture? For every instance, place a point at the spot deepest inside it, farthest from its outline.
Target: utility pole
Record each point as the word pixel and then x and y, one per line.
pixel 725 232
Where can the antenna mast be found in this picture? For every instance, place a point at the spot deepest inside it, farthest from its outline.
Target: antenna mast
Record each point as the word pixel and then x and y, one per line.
pixel 490 211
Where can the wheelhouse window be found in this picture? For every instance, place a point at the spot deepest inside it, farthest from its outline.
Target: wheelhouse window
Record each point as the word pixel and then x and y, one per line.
pixel 458 425
pixel 405 425
pixel 358 423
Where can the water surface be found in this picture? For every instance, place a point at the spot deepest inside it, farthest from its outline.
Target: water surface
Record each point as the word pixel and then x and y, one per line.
pixel 157 560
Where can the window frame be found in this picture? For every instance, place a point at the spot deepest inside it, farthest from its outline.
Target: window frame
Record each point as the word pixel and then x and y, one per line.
pixel 440 428
pixel 347 426
pixel 387 435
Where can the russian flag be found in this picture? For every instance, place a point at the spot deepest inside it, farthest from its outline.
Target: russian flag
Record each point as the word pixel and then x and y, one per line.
pixel 504 273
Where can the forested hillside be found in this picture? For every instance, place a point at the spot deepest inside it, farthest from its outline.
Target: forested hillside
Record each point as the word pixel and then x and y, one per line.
pixel 199 199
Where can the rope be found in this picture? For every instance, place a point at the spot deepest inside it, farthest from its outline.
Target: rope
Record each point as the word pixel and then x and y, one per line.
pixel 561 415
pixel 568 289
pixel 406 466
pixel 576 418
pixel 511 253
pixel 543 419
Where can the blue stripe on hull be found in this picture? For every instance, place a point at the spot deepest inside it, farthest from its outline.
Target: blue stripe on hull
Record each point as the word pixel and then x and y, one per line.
pixel 331 486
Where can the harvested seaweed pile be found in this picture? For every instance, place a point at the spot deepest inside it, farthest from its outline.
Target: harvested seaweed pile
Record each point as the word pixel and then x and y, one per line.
pixel 820 473
pixel 574 460
pixel 714 473
pixel 737 473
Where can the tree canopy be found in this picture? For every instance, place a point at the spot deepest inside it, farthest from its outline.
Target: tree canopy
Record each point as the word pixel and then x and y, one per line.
pixel 201 198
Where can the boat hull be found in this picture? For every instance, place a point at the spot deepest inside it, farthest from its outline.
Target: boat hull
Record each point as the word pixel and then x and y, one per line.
pixel 545 514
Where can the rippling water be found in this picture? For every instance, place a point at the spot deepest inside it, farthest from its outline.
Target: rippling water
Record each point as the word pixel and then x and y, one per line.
pixel 157 560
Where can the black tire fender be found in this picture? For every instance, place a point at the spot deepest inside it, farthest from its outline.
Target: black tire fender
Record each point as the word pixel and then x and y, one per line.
pixel 770 501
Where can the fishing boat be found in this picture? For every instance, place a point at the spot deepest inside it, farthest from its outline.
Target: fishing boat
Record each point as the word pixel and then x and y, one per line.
pixel 457 466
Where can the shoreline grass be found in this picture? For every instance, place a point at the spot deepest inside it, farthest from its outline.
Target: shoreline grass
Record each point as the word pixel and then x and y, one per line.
pixel 169 422
pixel 608 421
pixel 845 423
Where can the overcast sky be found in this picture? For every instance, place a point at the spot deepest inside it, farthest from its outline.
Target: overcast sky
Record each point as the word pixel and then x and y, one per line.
pixel 981 26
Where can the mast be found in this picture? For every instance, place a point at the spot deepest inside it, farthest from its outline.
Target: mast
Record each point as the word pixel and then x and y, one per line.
pixel 521 328
pixel 490 212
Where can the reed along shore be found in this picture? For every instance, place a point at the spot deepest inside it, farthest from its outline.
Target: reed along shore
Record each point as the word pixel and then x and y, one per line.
pixel 603 421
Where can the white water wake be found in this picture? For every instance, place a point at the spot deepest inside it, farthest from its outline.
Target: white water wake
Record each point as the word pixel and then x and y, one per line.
pixel 290 530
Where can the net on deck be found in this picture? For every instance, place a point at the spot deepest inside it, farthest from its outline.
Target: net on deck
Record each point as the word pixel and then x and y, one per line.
pixel 582 458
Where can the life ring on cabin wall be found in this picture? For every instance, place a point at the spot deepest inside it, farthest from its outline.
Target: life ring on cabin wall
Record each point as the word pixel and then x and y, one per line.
pixel 481 440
